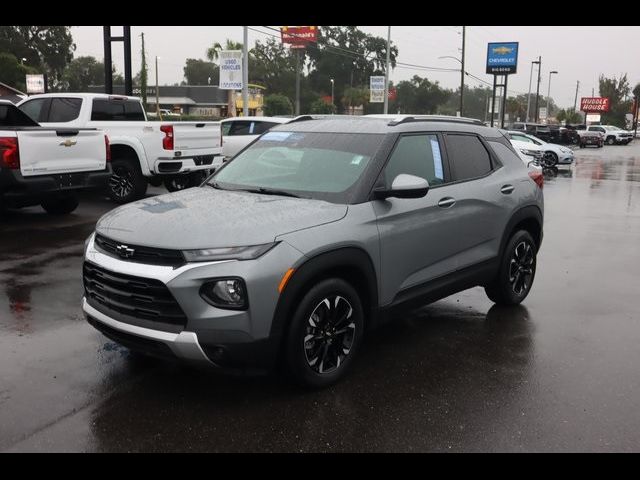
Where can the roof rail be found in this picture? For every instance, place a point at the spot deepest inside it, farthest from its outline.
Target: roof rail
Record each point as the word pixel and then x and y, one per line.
pixel 435 118
pixel 301 118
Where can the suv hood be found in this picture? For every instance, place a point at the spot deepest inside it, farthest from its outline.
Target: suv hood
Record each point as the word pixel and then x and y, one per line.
pixel 204 217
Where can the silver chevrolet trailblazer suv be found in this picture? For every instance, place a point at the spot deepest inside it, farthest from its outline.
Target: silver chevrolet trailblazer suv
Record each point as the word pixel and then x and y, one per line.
pixel 309 237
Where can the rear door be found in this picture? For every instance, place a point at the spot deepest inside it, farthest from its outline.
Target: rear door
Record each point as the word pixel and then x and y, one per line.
pixel 49 151
pixel 482 194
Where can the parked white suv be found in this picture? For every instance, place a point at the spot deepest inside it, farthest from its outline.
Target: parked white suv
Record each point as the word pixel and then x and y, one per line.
pixel 612 135
pixel 238 132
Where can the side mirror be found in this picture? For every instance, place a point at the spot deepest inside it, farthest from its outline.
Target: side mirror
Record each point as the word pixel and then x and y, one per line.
pixel 404 186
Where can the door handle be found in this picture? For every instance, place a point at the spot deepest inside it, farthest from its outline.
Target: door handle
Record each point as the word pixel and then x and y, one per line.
pixel 507 189
pixel 447 202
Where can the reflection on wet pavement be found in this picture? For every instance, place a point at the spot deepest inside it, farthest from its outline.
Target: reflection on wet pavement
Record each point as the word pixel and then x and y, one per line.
pixel 558 373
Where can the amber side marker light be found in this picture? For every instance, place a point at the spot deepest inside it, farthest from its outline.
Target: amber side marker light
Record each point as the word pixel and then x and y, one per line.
pixel 285 279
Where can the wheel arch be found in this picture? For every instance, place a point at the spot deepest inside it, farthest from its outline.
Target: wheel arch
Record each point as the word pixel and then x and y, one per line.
pixel 527 218
pixel 351 264
pixel 122 148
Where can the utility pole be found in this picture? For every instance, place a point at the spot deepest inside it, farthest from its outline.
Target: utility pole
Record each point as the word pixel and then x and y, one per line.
pixel 143 74
pixel 529 96
pixel 157 93
pixel 128 79
pixel 548 95
pixel 538 89
pixel 464 28
pixel 386 72
pixel 575 100
pixel 245 73
pixel 297 81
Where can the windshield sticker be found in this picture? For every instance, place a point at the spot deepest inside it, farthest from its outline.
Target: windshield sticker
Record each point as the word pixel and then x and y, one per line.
pixel 356 160
pixel 276 136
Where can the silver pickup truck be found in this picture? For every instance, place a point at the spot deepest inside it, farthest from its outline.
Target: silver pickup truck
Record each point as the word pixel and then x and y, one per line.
pixel 47 166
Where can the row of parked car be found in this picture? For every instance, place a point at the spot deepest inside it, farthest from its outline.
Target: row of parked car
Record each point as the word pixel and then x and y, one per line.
pixel 577 134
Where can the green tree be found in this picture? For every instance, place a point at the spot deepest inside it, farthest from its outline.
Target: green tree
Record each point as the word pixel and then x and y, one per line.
pixel 321 107
pixel 12 72
pixel 349 56
pixel 82 72
pixel 354 97
pixel 47 48
pixel 617 90
pixel 276 104
pixel 421 96
pixel 198 72
pixel 213 52
pixel 143 75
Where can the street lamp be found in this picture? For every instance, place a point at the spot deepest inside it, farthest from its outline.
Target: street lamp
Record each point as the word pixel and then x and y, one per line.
pixel 535 62
pixel 549 93
pixel 461 79
pixel 332 83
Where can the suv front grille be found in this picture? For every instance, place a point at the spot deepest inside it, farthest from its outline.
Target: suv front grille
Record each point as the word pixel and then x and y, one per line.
pixel 126 298
pixel 138 254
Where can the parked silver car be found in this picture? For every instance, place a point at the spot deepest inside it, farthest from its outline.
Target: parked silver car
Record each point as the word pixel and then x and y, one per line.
pixel 312 235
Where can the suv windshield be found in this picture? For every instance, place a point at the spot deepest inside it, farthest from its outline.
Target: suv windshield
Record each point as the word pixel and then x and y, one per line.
pixel 325 166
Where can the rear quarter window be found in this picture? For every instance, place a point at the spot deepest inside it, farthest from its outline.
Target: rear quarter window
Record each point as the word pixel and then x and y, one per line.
pixel 468 157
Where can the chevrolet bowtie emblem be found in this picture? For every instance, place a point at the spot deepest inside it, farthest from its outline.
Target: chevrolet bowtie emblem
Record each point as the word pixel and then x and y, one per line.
pixel 68 143
pixel 124 251
pixel 502 50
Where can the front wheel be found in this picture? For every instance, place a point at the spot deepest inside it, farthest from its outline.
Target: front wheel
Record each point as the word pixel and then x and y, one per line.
pixel 180 182
pixel 550 159
pixel 61 205
pixel 517 271
pixel 325 333
pixel 611 141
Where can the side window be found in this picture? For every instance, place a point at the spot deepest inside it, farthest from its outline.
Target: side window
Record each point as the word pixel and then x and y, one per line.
pixel 241 128
pixel 106 111
pixel 521 138
pixel 468 157
pixel 417 155
pixel 64 109
pixel 226 127
pixel 261 127
pixel 133 111
pixel 37 109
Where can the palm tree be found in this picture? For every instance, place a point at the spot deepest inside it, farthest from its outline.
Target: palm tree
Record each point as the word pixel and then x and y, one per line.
pixel 213 54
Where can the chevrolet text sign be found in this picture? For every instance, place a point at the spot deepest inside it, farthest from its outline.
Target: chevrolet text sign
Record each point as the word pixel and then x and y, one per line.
pixel 502 58
pixel 594 104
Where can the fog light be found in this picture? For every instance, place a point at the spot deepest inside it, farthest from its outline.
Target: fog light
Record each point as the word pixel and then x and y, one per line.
pixel 228 293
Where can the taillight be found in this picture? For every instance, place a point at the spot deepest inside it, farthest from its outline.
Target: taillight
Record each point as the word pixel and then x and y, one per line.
pixel 537 177
pixel 9 153
pixel 167 141
pixel 107 147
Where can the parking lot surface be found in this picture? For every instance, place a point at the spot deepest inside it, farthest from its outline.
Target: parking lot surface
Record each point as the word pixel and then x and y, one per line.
pixel 559 373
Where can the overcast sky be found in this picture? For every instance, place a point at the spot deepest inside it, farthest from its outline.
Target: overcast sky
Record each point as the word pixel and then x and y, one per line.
pixel 576 52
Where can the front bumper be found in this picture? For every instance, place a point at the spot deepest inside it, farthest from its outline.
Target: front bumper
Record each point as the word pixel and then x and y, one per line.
pixel 231 340
pixel 566 159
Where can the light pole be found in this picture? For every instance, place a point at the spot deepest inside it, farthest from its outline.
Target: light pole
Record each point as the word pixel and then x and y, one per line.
pixel 537 116
pixel 529 96
pixel 245 72
pixel 386 73
pixel 332 102
pixel 157 93
pixel 461 62
pixel 549 93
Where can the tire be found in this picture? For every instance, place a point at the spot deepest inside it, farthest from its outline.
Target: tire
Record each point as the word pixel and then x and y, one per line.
pixel 61 205
pixel 127 182
pixel 155 181
pixel 320 361
pixel 550 159
pixel 181 182
pixel 582 145
pixel 519 256
pixel 611 140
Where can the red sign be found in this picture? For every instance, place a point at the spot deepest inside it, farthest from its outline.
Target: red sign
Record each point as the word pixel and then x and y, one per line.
pixel 393 94
pixel 594 104
pixel 299 37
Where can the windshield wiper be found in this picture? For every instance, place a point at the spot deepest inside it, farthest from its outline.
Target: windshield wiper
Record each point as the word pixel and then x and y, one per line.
pixel 270 191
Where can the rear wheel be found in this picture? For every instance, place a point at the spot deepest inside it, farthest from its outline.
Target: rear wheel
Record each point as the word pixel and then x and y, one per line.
pixel 517 271
pixel 60 205
pixel 325 334
pixel 127 182
pixel 611 140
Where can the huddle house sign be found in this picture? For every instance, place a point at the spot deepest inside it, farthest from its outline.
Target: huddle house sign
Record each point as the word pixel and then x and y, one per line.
pixel 594 104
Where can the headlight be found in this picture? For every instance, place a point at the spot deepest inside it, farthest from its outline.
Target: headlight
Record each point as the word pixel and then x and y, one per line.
pixel 533 153
pixel 227 253
pixel 87 242
pixel 228 293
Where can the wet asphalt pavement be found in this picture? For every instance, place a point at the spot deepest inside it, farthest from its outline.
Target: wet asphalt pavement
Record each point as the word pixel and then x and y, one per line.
pixel 559 373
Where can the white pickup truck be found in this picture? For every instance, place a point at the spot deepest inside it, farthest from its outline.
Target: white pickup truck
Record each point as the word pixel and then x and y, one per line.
pixel 178 154
pixel 47 166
